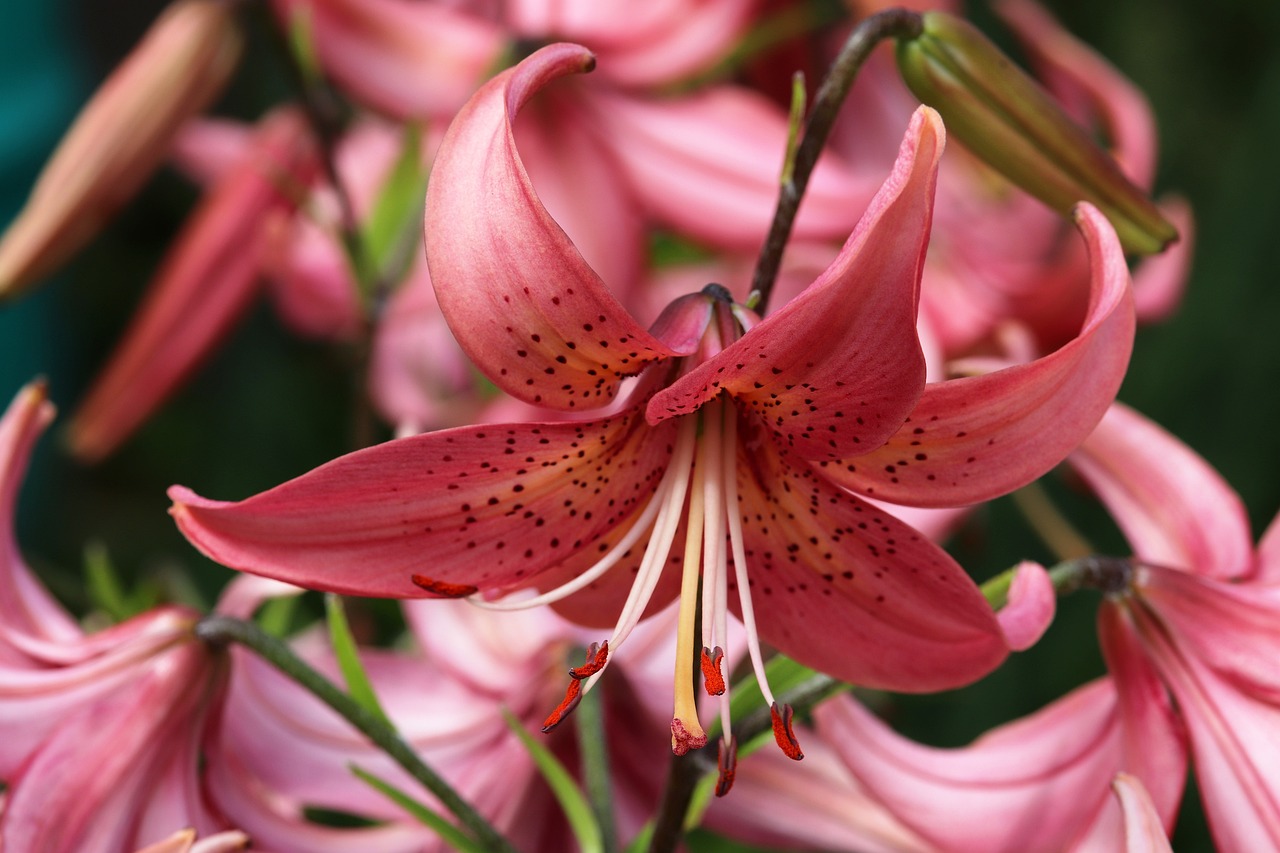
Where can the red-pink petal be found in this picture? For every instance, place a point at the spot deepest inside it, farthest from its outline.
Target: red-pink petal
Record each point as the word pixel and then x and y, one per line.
pixel 1160 280
pixel 483 506
pixel 846 588
pixel 978 437
pixel 1173 507
pixel 204 284
pixel 524 304
pixel 837 369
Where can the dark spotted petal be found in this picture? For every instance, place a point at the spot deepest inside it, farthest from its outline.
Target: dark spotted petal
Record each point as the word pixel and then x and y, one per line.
pixel 519 297
pixel 486 507
pixel 844 587
pixel 837 370
pixel 979 437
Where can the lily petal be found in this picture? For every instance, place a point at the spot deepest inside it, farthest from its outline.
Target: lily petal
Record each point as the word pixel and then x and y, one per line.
pixel 534 316
pixel 838 367
pixel 484 506
pixel 1143 832
pixel 1173 507
pixel 978 437
pixel 852 591
pixel 1030 608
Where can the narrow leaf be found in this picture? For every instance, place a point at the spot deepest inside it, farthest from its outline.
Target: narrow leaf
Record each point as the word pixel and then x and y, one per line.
pixel 344 649
pixel 450 834
pixel 575 805
pixel 397 211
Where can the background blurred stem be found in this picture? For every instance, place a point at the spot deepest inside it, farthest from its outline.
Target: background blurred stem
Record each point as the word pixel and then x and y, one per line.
pixel 222 630
pixel 892 23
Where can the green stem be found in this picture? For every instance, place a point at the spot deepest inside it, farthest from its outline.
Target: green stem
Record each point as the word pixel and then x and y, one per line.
pixel 222 630
pixel 891 23
pixel 1108 574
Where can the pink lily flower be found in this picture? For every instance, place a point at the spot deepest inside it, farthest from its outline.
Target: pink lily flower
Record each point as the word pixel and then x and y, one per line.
pixel 121 136
pixel 204 284
pixel 783 415
pixel 1143 832
pixel 1188 639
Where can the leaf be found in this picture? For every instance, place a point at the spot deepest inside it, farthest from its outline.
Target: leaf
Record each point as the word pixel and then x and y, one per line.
pixel 344 648
pixel 572 802
pixel 397 212
pixel 450 834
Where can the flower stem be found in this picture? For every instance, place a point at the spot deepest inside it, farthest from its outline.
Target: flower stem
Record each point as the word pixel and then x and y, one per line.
pixel 891 23
pixel 1108 574
pixel 220 630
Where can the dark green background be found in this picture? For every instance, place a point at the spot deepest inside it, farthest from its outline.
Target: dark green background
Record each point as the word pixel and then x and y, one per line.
pixel 270 406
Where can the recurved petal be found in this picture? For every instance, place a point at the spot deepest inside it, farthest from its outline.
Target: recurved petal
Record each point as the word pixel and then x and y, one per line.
pixel 978 437
pixel 838 368
pixel 203 285
pixel 1173 507
pixel 1026 787
pixel 523 303
pixel 846 588
pixel 485 507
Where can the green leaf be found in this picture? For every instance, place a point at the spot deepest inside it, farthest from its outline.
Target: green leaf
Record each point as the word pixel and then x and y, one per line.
pixel 396 217
pixel 784 675
pixel 276 615
pixel 574 804
pixel 303 45
pixel 450 834
pixel 104 587
pixel 344 648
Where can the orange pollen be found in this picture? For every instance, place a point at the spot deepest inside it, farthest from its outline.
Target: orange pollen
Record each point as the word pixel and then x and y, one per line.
pixel 682 740
pixel 572 697
pixel 444 589
pixel 712 677
pixel 597 654
pixel 728 764
pixel 783 733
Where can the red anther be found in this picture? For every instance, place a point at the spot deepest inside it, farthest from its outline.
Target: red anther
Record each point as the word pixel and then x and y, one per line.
pixel 712 677
pixel 572 697
pixel 783 733
pixel 728 763
pixel 597 654
pixel 444 589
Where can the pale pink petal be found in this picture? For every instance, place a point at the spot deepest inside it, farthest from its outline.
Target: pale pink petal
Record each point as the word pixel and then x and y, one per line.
pixel 649 44
pixel 1026 787
pixel 25 605
pixel 206 149
pixel 483 506
pixel 708 166
pixel 1030 608
pixel 407 59
pixel 978 437
pixel 526 307
pixel 1143 832
pixel 1160 280
pixel 838 368
pixel 203 285
pixel 814 804
pixel 1173 507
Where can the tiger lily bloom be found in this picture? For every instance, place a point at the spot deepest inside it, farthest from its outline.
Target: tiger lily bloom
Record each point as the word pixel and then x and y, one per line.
pixel 735 455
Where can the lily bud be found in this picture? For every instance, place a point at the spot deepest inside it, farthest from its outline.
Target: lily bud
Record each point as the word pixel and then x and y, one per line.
pixel 1009 121
pixel 121 136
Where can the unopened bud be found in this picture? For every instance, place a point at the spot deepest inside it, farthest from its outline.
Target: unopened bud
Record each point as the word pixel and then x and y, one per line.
pixel 1008 120
pixel 121 136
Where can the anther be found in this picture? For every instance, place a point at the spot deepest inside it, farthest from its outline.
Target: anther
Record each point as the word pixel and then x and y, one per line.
pixel 444 589
pixel 572 697
pixel 712 677
pixel 783 733
pixel 597 654
pixel 728 765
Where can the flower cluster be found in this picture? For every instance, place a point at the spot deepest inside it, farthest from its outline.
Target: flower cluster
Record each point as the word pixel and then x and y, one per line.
pixel 677 449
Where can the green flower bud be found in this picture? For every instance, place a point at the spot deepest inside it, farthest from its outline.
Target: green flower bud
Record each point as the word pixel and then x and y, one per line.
pixel 1009 121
